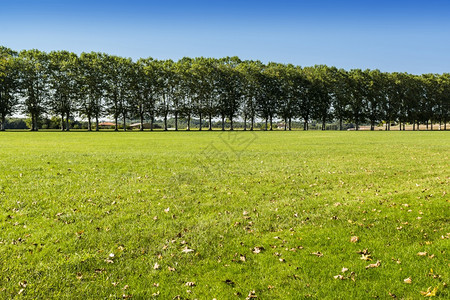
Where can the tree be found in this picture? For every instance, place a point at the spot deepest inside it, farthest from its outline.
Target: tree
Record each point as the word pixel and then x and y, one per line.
pixel 64 85
pixel 34 83
pixel 117 72
pixel 357 81
pixel 93 87
pixel 9 83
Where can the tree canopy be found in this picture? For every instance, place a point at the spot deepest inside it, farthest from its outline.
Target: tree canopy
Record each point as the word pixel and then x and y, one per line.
pixel 94 85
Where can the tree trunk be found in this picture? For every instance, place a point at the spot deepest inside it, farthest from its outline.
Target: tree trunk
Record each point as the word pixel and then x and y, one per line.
pixel 67 121
pixel 285 124
pixel 188 123
pixel 124 122
pixel 3 123
pixel 341 127
pixel 271 123
pixel 200 125
pixel 117 124
pixel 305 124
pixel 372 125
pixel 165 122
pixel 223 123
pixel 266 124
pixel 245 122
pixel 176 121
pixel 141 127
pixel 210 122
pixel 253 123
pixel 89 123
pixel 323 124
pixel 62 122
pixel 290 123
pixel 231 124
pixel 96 123
pixel 151 122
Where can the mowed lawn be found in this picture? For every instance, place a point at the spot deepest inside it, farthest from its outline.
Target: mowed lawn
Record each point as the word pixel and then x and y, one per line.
pixel 223 215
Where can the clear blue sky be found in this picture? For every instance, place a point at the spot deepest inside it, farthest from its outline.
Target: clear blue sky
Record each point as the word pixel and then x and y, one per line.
pixel 406 36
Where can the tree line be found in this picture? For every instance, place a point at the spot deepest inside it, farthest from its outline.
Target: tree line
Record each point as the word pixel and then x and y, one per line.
pixel 97 85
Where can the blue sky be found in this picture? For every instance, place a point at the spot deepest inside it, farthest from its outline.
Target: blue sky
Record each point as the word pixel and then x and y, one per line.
pixel 405 36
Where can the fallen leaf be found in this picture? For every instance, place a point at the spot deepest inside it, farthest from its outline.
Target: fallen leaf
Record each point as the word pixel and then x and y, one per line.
pixel 422 253
pixel 125 287
pixel 190 283
pixel 187 250
pixel 354 239
pixel 251 295
pixel 339 277
pixel 156 266
pixel 365 257
pixel 375 265
pixel 430 292
pixel 407 280
pixel 242 258
pixel 167 210
pixel 318 254
pixel 171 269
pixel 344 270
pixel 257 250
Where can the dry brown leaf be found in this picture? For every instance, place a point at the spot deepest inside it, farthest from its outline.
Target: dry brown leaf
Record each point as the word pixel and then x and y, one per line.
pixel 344 270
pixel 257 250
pixel 190 283
pixel 318 254
pixel 407 280
pixel 366 257
pixel 171 269
pixel 156 266
pixel 430 292
pixel 354 239
pixel 422 253
pixel 242 258
pixel 251 295
pixel 375 265
pixel 340 277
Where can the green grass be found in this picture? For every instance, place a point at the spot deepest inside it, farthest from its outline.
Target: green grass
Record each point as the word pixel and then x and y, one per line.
pixel 69 200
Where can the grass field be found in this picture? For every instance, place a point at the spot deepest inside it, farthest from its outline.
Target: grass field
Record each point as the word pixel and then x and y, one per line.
pixel 236 215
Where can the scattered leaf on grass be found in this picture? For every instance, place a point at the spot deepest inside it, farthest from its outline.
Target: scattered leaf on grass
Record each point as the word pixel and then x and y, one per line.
pixel 344 270
pixel 167 210
pixel 23 284
pixel 251 295
pixel 187 250
pixel 190 283
pixel 257 250
pixel 407 280
pixel 375 265
pixel 354 239
pixel 318 254
pixel 366 257
pixel 430 292
pixel 171 269
pixel 242 258
pixel 156 266
pixel 422 253
pixel 339 277
pixel 229 282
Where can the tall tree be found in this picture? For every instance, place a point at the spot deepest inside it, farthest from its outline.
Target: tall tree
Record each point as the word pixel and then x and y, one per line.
pixel 64 85
pixel 34 83
pixel 9 83
pixel 93 87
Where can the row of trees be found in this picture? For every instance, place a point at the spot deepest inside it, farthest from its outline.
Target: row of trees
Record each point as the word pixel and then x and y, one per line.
pixel 97 85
